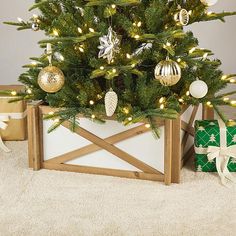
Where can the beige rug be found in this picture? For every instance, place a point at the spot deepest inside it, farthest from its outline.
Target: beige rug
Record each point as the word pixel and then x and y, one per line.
pixel 57 203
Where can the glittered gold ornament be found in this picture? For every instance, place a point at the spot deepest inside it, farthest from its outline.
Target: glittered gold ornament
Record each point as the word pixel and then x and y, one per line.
pixel 51 79
pixel 168 72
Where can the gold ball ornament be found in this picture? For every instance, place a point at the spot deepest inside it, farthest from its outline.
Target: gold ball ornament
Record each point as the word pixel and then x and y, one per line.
pixel 51 79
pixel 182 17
pixel 168 72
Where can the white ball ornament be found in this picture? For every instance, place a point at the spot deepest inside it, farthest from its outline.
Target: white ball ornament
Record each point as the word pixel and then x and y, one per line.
pixel 198 89
pixel 209 2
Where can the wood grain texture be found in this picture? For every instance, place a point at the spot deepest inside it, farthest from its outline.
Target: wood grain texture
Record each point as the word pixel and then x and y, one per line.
pixel 112 149
pixel 94 148
pixel 176 151
pixel 208 113
pixel 168 151
pixel 104 171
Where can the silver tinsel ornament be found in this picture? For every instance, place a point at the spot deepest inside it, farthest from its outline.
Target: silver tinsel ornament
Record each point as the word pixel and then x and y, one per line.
pixel 142 48
pixel 35 26
pixel 109 45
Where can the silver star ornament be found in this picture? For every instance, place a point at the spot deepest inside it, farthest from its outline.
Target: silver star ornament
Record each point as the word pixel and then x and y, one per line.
pixel 109 45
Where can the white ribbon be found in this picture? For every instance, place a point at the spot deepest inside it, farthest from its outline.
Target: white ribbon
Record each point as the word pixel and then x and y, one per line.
pixel 221 154
pixel 4 119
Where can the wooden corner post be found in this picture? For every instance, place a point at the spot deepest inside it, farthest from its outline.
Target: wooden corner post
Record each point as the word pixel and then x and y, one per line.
pixel 34 137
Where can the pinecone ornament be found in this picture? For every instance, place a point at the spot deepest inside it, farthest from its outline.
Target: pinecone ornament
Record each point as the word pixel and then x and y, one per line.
pixel 111 101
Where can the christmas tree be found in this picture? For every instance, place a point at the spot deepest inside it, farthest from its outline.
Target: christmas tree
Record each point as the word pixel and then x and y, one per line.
pixel 129 58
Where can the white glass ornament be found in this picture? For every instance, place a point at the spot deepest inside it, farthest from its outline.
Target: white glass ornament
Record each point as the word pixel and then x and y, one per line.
pixel 198 89
pixel 111 101
pixel 209 2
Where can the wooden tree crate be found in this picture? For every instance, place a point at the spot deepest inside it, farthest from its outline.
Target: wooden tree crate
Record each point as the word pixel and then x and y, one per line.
pixel 162 159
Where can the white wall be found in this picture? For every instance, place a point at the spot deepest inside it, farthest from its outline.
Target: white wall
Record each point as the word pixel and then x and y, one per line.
pixel 17 47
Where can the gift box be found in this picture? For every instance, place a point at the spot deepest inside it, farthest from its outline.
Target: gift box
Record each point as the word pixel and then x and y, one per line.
pixel 215 147
pixel 12 117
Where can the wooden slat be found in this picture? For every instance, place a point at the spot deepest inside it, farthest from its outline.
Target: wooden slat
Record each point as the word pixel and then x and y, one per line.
pixel 190 124
pixel 186 128
pixel 188 155
pixel 94 148
pixel 184 109
pixel 207 113
pixel 30 137
pixel 36 139
pixel 168 151
pixel 112 149
pixel 176 151
pixel 104 171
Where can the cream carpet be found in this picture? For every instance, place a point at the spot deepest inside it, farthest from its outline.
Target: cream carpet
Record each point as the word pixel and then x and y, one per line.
pixel 50 203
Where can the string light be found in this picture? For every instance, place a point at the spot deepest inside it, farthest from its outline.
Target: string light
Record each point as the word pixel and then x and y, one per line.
pixel 192 50
pixel 20 19
pixel 55 32
pixel 81 49
pixel 13 93
pixel 91 30
pixel 147 126
pixel 91 102
pixel 187 93
pixel 232 81
pixel 29 91
pixel 128 55
pixel 130 118
pixel 162 106
pixel 209 13
pixel 179 60
pixel 136 36
pixel 114 70
pixel 208 103
pixel 113 6
pixel 133 65
pixel 126 110
pixel 102 68
pixel 168 44
pixel 139 24
pixel 34 63
pixel 35 16
pixel 99 96
pixel 93 116
pixel 224 77
pixel 181 100
pixel 205 56
pixel 80 30
pixel 233 102
pixel 162 99
pixel 225 99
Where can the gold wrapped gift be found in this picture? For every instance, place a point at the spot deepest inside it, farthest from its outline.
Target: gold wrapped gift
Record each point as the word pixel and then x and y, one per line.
pixel 12 117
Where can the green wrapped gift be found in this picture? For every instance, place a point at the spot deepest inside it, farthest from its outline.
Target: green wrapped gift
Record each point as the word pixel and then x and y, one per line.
pixel 215 147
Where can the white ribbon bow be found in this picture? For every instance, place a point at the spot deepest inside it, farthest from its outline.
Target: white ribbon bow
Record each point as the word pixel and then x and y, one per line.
pixel 222 156
pixel 3 125
pixel 4 118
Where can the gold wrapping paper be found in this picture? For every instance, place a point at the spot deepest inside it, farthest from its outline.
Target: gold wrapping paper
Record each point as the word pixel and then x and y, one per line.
pixel 16 129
